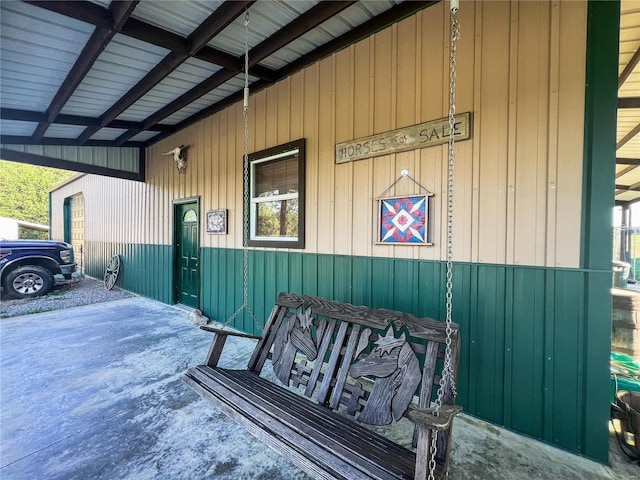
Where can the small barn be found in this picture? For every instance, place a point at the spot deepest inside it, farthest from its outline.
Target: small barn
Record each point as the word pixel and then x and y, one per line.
pixel 346 121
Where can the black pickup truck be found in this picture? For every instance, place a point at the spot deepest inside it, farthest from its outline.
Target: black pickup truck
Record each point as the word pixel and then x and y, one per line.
pixel 28 267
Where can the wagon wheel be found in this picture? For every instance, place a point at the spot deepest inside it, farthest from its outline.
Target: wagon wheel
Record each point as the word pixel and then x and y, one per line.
pixel 111 275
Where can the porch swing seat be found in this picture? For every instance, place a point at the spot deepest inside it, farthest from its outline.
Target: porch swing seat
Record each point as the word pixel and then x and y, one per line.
pixel 324 372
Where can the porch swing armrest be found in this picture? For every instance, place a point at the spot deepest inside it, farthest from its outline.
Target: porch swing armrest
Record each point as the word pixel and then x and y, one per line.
pixel 219 339
pixel 233 333
pixel 424 417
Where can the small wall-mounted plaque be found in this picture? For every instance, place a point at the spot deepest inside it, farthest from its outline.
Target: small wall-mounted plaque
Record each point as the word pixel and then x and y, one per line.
pixel 217 222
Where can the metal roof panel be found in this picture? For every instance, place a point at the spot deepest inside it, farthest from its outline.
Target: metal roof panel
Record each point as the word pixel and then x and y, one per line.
pixel 120 67
pixel 40 48
pixel 176 16
pixel 181 80
pixel 230 87
pixel 143 136
pixel 37 50
pixel 266 17
pixel 56 130
pixel 337 25
pixel 16 127
pixel 107 134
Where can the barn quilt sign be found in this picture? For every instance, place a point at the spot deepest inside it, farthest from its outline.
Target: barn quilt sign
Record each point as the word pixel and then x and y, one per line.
pixel 405 220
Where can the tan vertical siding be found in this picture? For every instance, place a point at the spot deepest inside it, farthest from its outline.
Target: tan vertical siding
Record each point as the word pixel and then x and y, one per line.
pixel 311 133
pixel 520 71
pixel 361 172
pixel 566 181
pixel 323 226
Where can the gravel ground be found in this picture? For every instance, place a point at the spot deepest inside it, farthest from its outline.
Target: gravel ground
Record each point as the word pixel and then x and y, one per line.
pixel 84 292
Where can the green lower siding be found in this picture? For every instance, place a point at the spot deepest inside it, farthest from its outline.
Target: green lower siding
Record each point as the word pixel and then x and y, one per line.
pixel 145 269
pixel 531 347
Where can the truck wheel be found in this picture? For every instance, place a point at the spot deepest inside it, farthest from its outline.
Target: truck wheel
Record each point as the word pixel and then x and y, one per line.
pixel 29 281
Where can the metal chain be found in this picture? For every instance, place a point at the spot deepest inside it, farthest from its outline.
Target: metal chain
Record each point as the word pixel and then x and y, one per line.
pixel 455 36
pixel 447 377
pixel 245 177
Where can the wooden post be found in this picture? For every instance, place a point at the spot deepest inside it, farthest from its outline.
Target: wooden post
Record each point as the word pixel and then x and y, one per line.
pixel 216 350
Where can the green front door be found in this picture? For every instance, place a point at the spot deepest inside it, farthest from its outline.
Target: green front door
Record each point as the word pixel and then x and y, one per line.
pixel 187 248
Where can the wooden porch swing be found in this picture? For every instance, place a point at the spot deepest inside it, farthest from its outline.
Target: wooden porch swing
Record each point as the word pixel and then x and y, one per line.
pixel 338 369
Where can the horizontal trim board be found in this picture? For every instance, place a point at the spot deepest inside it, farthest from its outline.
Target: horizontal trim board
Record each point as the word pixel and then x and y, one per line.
pixel 44 161
pixel 72 142
pixel 64 119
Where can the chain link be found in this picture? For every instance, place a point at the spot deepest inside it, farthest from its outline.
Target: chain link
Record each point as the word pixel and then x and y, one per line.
pixel 447 379
pixel 245 185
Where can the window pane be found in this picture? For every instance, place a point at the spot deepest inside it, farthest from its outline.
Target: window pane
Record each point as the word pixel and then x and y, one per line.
pixel 276 178
pixel 276 195
pixel 190 216
pixel 277 219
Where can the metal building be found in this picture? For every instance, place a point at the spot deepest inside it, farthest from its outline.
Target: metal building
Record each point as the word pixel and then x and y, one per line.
pixel 534 182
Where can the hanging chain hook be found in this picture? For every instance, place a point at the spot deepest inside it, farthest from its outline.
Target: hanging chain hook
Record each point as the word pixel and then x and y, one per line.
pixel 245 178
pixel 447 379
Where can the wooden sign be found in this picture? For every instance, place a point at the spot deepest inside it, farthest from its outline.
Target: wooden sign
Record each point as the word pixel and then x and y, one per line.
pixel 428 134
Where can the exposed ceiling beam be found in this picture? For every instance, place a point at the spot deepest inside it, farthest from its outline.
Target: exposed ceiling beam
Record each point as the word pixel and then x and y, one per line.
pixel 626 188
pixel 629 68
pixel 388 17
pixel 628 102
pixel 628 137
pixel 216 23
pixel 21 140
pixel 231 65
pixel 628 161
pixel 44 161
pixel 295 29
pixel 154 35
pixel 64 119
pixel 119 12
pixel 94 14
pixel 192 95
pixel 157 36
pixel 625 170
pixel 394 14
pixel 80 10
pixel 212 26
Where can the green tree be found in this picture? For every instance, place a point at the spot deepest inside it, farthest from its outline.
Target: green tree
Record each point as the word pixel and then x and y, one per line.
pixel 24 191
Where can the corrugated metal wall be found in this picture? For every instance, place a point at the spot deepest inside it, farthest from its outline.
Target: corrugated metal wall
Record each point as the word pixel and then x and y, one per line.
pixel 519 291
pixel 518 181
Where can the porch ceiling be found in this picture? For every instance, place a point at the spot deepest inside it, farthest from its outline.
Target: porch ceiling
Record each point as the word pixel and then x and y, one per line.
pixel 129 73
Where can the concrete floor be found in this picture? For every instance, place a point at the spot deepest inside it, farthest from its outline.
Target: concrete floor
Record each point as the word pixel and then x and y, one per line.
pixel 95 392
